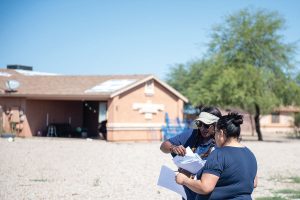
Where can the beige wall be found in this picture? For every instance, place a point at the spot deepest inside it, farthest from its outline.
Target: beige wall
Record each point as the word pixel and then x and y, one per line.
pixel 124 122
pixel 246 128
pixel 127 123
pixel 144 135
pixel 35 114
pixel 120 108
pixel 285 125
pixel 14 105
pixel 57 111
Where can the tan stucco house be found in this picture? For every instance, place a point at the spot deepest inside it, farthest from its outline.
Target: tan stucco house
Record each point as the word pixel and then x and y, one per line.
pixel 133 105
pixel 280 121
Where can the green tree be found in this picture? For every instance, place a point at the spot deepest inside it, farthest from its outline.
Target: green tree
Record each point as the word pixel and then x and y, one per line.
pixel 248 66
pixel 178 78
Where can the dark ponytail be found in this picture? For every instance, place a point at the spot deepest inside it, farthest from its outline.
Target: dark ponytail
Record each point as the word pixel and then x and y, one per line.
pixel 231 124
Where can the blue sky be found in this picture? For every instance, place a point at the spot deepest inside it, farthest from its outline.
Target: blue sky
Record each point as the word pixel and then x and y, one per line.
pixel 86 37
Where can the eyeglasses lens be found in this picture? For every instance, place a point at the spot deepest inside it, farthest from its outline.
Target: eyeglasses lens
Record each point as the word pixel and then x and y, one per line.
pixel 206 126
pixel 201 124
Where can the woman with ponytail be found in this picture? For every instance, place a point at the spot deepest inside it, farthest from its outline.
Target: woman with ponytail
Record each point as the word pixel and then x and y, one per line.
pixel 230 170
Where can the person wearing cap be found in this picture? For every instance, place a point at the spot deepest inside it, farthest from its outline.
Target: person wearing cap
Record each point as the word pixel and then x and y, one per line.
pixel 200 140
pixel 230 171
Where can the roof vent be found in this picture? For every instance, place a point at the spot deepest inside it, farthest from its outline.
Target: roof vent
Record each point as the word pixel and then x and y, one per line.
pixel 23 67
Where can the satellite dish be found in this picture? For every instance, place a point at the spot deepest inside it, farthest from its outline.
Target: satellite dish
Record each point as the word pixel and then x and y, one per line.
pixel 12 85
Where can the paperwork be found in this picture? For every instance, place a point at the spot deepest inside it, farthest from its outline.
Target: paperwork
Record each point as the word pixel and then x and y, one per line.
pixel 167 179
pixel 191 162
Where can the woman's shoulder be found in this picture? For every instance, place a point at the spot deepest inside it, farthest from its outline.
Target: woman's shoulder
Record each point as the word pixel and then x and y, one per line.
pixel 240 151
pixel 249 152
pixel 217 152
pixel 224 151
pixel 191 133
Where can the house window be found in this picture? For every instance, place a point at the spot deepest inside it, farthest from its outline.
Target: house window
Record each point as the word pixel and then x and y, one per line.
pixel 149 88
pixel 102 111
pixel 275 118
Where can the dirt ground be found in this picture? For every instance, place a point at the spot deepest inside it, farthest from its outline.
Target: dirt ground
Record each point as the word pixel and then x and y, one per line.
pixel 57 168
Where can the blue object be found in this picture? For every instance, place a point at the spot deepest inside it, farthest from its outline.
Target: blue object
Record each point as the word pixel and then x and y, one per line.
pixel 172 129
pixel 236 167
pixel 189 137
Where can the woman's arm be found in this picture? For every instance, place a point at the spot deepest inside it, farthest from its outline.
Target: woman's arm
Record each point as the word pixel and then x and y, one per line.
pixel 168 147
pixel 204 186
pixel 255 181
pixel 175 144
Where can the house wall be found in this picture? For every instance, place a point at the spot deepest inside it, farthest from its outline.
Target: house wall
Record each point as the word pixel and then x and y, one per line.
pixel 246 128
pixel 43 112
pixel 285 125
pixel 127 121
pixel 11 113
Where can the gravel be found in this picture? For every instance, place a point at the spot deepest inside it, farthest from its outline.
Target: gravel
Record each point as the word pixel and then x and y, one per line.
pixel 62 168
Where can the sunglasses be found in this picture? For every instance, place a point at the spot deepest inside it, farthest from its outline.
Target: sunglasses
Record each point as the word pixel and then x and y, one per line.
pixel 200 124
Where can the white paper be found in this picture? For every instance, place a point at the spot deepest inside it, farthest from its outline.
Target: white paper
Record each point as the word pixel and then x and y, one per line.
pixel 167 179
pixel 190 162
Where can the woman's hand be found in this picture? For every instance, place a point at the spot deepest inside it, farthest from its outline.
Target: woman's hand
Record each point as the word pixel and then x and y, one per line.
pixel 179 150
pixel 180 178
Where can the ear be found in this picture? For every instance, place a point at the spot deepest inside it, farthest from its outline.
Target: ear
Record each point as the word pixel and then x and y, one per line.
pixel 222 134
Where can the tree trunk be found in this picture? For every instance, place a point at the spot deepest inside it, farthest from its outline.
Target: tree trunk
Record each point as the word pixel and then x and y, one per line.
pixel 257 125
pixel 251 122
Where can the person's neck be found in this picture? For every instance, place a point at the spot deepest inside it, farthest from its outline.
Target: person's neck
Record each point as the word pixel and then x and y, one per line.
pixel 205 140
pixel 233 142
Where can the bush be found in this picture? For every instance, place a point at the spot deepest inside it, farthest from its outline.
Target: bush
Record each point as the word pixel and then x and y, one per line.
pixel 297 125
pixel 297 120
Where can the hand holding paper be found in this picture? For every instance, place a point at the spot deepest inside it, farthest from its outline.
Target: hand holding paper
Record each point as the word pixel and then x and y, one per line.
pixel 190 162
pixel 167 179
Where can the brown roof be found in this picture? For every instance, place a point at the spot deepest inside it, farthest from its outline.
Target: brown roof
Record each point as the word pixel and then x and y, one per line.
pixel 288 109
pixel 50 86
pixel 53 86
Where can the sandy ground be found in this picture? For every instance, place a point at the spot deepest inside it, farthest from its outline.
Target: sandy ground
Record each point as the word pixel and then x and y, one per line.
pixel 57 168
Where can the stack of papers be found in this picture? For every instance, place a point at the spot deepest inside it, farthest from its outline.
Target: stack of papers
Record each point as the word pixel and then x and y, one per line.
pixel 191 162
pixel 167 179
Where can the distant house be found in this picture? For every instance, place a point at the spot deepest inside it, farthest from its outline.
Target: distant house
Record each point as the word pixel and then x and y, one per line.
pixel 279 121
pixel 134 106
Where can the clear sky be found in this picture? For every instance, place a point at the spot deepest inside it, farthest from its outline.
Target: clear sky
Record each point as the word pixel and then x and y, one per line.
pixel 119 36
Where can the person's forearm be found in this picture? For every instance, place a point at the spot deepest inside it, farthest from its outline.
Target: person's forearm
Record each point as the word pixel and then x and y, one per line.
pixel 166 147
pixel 196 186
pixel 255 182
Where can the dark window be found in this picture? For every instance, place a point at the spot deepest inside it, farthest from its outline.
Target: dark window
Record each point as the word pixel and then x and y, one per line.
pixel 275 118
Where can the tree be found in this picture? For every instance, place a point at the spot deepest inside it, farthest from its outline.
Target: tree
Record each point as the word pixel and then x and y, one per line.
pixel 178 78
pixel 248 66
